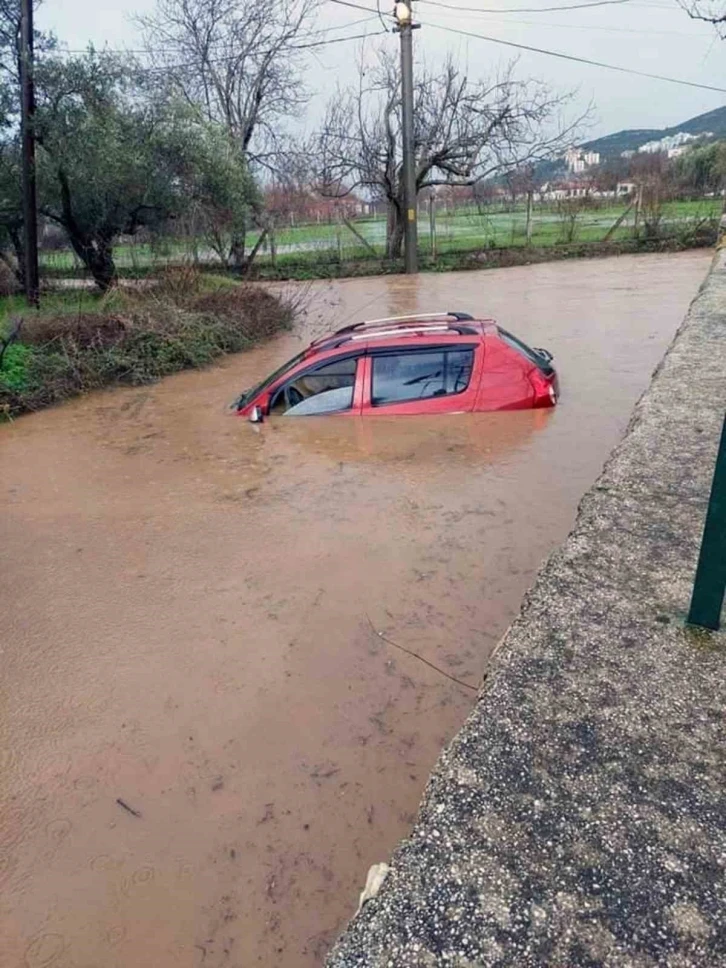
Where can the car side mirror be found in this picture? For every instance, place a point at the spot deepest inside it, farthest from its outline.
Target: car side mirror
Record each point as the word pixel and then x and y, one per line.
pixel 256 415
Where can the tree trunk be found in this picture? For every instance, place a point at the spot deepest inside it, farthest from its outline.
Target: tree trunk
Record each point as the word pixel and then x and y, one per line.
pixel 237 247
pixel 390 227
pixel 394 230
pixel 103 268
pixel 255 249
pixel 18 244
pixel 97 257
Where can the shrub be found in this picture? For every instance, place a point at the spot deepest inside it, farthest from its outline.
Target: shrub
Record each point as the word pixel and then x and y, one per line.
pixel 174 326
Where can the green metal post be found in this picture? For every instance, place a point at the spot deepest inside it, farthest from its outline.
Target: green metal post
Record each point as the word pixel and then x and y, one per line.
pixel 710 582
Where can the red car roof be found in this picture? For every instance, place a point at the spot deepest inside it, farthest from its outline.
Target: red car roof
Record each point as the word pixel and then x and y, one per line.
pixel 434 325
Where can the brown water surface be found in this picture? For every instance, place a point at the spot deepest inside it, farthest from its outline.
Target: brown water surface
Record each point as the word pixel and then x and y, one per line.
pixel 189 608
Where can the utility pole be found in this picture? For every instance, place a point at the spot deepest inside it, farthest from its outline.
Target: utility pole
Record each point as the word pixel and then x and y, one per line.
pixel 27 99
pixel 405 27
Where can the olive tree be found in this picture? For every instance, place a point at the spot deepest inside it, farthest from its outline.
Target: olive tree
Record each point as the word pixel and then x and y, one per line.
pixel 465 131
pixel 702 169
pixel 223 196
pixel 12 250
pixel 115 157
pixel 43 42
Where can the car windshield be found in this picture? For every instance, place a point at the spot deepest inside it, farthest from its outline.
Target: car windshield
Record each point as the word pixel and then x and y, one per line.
pixel 251 394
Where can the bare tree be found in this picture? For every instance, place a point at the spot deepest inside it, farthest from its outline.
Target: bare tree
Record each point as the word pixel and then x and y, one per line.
pixel 712 11
pixel 568 212
pixel 240 61
pixel 521 182
pixel 652 173
pixel 484 194
pixel 465 131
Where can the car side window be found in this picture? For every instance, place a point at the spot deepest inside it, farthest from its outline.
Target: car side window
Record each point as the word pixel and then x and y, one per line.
pixel 323 389
pixel 398 377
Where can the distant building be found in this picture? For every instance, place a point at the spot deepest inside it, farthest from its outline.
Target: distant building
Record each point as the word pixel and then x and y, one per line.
pixel 309 205
pixel 558 190
pixel 672 142
pixel 578 160
pixel 625 188
pixel 555 191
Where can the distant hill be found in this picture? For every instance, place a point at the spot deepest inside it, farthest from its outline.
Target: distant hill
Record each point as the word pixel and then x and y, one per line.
pixel 632 139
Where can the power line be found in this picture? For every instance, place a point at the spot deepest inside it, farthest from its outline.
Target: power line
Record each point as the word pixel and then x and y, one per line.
pixel 612 30
pixel 596 27
pixel 574 6
pixel 351 23
pixel 169 50
pixel 574 58
pixel 221 60
pixel 337 40
pixel 380 16
pixel 354 6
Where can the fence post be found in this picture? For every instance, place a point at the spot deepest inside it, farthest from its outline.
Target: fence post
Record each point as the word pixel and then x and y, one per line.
pixel 638 206
pixel 617 223
pixel 710 581
pixel 528 232
pixel 361 238
pixel 432 226
pixel 273 245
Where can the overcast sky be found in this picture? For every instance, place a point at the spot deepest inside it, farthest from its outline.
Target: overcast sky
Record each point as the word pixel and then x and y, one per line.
pixel 655 36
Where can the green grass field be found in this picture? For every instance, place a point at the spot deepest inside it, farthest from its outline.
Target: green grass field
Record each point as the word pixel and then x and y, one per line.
pixel 459 231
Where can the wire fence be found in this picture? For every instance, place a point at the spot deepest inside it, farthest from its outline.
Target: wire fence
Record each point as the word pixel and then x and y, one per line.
pixel 313 249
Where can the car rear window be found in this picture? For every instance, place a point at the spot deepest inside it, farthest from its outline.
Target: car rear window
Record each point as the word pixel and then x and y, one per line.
pixel 398 377
pixel 526 351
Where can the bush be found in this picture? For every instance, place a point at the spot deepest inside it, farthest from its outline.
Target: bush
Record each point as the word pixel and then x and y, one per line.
pixel 14 364
pixel 174 326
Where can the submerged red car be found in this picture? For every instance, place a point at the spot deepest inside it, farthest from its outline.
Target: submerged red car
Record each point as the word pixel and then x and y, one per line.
pixel 430 363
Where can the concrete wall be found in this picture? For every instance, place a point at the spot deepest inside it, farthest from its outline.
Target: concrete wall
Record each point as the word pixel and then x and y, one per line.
pixel 579 816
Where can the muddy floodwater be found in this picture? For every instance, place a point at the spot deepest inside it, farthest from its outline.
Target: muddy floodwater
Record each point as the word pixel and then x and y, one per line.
pixel 204 740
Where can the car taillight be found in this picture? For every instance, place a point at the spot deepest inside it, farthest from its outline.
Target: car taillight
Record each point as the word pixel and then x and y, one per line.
pixel 545 394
